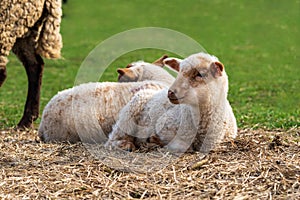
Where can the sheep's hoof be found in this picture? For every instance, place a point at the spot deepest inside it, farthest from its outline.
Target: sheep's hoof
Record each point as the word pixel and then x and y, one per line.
pixel 24 124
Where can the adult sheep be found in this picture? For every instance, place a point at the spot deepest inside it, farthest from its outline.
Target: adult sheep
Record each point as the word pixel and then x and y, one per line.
pixel 30 28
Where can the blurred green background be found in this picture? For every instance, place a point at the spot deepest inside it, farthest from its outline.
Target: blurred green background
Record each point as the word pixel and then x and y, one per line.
pixel 257 41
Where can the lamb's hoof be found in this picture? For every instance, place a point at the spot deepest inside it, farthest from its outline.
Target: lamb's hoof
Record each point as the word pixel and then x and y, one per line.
pixel 154 140
pixel 41 138
pixel 127 146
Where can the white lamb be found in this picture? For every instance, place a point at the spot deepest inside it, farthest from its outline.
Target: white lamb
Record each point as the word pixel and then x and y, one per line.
pixel 90 110
pixel 194 114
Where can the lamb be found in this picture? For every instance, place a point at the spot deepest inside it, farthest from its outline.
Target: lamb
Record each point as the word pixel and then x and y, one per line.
pixel 88 111
pixel 31 30
pixel 193 115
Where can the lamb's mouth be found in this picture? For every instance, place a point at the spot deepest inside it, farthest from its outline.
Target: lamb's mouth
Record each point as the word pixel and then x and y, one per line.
pixel 175 100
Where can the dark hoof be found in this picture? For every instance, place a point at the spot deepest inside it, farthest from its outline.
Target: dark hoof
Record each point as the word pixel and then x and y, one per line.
pixel 24 125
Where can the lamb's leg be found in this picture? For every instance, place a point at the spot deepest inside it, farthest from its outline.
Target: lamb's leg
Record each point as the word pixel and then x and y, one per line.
pixel 33 63
pixel 118 138
pixel 126 143
pixel 2 74
pixel 126 130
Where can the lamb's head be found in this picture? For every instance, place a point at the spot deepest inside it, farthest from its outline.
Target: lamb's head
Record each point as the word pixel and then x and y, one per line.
pixel 201 79
pixel 133 72
pixel 141 71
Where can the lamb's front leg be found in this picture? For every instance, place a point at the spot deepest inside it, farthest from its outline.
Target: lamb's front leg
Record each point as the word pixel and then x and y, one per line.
pixel 119 139
pixel 122 135
pixel 128 127
pixel 124 141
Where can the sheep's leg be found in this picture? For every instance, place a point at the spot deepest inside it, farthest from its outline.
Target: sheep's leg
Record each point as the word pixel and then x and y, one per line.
pixel 2 74
pixel 33 63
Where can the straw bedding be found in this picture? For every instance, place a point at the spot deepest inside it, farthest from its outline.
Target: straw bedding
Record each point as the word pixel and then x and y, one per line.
pixel 259 165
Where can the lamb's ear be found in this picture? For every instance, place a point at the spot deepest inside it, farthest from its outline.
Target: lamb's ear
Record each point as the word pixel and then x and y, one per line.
pixel 121 71
pixel 159 62
pixel 173 63
pixel 129 65
pixel 216 69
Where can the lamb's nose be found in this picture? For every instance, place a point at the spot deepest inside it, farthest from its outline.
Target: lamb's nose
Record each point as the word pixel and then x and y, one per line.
pixel 172 97
pixel 171 94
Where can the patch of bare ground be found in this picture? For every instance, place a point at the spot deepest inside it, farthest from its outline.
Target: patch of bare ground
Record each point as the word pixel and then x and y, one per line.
pixel 259 164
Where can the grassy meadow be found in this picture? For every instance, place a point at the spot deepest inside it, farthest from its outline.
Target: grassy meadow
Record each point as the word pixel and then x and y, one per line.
pixel 258 42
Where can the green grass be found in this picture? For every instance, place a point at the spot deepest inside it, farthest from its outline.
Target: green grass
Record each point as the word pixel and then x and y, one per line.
pixel 258 42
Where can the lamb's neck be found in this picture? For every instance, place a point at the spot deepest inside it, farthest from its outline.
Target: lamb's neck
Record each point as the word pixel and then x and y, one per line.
pixel 209 118
pixel 205 116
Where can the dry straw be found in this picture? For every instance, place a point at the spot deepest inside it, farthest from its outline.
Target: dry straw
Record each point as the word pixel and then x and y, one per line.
pixel 259 165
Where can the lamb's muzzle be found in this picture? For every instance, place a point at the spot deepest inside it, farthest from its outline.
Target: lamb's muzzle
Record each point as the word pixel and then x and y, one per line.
pixel 172 97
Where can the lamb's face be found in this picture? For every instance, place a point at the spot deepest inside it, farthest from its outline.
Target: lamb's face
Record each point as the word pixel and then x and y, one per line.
pixel 200 78
pixel 133 72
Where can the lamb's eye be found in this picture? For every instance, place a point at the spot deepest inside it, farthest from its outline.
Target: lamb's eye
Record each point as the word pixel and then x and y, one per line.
pixel 201 75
